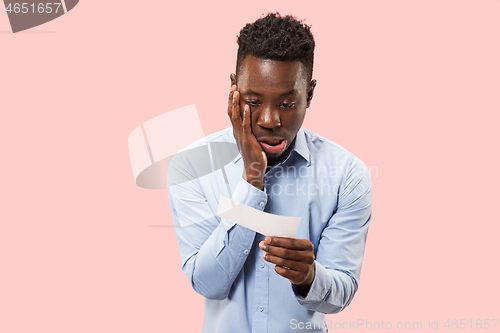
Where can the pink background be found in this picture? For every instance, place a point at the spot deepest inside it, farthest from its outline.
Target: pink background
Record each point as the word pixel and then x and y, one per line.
pixel 410 87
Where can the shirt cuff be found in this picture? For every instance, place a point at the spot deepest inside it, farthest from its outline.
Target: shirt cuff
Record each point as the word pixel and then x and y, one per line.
pixel 249 195
pixel 320 288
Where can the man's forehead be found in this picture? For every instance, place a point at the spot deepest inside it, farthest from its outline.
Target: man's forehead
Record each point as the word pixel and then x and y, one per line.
pixel 256 72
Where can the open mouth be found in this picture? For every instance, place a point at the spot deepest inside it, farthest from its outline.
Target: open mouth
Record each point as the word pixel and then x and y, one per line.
pixel 275 146
pixel 273 143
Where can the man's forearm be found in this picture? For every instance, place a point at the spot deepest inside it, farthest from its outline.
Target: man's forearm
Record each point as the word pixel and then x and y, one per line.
pixel 213 251
pixel 215 268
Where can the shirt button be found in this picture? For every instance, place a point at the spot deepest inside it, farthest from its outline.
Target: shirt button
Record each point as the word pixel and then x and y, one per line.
pixel 261 308
pixel 261 204
pixel 261 265
pixel 245 252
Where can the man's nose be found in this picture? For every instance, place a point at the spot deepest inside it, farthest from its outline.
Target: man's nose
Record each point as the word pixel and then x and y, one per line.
pixel 269 117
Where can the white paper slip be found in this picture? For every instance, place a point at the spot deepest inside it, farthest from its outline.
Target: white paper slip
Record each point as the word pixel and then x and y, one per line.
pixel 262 222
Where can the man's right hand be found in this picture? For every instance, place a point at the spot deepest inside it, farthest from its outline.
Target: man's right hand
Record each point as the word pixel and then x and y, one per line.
pixel 254 158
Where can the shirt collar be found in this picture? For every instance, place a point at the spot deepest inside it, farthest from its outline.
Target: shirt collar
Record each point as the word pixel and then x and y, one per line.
pixel 299 146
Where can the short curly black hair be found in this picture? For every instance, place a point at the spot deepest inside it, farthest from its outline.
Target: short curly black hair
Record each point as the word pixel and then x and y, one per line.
pixel 278 38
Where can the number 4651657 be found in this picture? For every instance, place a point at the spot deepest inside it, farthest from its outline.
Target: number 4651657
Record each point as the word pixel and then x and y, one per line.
pixel 40 9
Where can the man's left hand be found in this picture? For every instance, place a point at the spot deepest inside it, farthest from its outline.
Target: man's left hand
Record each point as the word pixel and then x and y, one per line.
pixel 294 259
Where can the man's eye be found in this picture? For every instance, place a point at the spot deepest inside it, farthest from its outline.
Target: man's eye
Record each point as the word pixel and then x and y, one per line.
pixel 288 105
pixel 253 103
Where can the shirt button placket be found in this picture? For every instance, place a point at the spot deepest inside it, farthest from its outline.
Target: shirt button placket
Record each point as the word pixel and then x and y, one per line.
pixel 261 293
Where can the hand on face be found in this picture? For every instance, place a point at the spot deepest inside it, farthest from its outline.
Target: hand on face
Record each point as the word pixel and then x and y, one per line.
pixel 294 259
pixel 254 158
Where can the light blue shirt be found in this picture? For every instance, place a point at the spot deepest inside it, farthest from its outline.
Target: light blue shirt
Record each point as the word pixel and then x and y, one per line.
pixel 319 181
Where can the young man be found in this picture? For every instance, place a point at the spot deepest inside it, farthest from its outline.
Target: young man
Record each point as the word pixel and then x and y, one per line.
pixel 261 283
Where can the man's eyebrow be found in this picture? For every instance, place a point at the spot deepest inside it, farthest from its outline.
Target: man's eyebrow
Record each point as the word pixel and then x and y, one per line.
pixel 291 92
pixel 251 92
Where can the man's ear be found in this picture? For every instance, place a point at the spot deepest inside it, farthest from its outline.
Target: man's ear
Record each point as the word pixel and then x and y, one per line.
pixel 310 92
pixel 233 79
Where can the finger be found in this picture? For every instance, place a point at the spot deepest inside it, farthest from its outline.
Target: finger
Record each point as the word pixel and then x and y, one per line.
pixel 236 105
pixel 247 128
pixel 230 108
pixel 294 276
pixel 230 104
pixel 230 99
pixel 291 264
pixel 297 255
pixel 289 243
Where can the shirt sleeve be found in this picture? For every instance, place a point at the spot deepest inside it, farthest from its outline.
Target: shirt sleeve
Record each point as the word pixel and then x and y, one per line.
pixel 341 247
pixel 213 250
